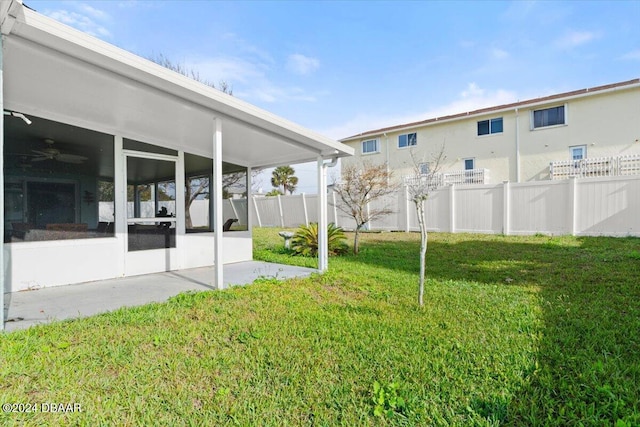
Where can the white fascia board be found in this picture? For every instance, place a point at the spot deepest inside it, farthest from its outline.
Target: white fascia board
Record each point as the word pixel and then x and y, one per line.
pixel 9 10
pixel 52 34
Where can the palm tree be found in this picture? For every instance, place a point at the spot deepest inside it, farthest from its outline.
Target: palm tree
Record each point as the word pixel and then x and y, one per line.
pixel 284 176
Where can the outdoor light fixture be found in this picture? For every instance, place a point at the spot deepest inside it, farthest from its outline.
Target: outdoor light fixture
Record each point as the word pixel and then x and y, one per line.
pixel 19 115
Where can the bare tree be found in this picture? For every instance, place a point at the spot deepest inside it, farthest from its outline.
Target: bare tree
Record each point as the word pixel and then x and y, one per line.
pixel 160 59
pixel 358 188
pixel 197 186
pixel 426 178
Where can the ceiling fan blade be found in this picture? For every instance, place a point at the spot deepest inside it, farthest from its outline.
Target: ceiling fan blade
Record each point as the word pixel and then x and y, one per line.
pixel 42 153
pixel 40 159
pixel 71 158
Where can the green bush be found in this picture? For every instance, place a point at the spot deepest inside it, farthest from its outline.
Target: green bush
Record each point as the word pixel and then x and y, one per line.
pixel 305 241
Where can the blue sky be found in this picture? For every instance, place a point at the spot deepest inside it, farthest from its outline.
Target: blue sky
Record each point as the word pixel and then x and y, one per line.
pixel 341 68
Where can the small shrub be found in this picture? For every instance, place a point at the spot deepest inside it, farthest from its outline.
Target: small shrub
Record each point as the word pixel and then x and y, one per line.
pixel 305 241
pixel 387 400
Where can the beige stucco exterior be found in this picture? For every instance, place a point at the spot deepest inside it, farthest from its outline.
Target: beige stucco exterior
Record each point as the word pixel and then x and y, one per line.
pixel 606 120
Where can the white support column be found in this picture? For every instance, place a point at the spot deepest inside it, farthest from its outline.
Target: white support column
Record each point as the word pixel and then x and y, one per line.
pixel 323 250
pixel 181 210
pixel 249 184
pixel 2 268
pixel 304 207
pixel 217 202
pixel 120 202
pixel 452 208
pixel 506 208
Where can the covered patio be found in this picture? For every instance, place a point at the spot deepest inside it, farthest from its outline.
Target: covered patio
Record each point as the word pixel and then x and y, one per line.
pixel 103 153
pixel 39 306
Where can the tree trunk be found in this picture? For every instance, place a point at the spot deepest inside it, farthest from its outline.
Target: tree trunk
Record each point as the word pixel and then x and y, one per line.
pixel 423 249
pixel 356 241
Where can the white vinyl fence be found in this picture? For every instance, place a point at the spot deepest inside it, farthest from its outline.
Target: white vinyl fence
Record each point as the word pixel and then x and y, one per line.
pixel 580 206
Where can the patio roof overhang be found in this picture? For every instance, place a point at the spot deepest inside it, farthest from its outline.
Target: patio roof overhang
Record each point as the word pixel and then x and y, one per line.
pixel 60 73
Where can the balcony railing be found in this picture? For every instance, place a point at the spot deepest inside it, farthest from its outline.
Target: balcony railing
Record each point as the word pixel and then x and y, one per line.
pixel 595 167
pixel 471 176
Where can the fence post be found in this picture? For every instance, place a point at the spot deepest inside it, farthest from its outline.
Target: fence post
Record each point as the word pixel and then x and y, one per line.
pixel 573 201
pixel 255 206
pixel 335 208
pixel 407 209
pixel 369 228
pixel 233 208
pixel 452 208
pixel 281 213
pixel 304 207
pixel 506 207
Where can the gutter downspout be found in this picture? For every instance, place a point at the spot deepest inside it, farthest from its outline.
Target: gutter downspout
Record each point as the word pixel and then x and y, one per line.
pixel 517 146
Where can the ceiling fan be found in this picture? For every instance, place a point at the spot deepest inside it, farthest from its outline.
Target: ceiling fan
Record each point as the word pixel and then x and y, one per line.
pixel 50 153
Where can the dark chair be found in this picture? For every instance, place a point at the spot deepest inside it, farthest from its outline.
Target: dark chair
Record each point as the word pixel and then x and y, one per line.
pixel 227 225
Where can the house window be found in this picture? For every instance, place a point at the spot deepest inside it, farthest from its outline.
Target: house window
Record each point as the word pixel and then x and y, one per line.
pixel 578 152
pixel 423 168
pixel 549 117
pixel 407 140
pixel 486 127
pixel 370 146
pixel 469 164
pixel 57 189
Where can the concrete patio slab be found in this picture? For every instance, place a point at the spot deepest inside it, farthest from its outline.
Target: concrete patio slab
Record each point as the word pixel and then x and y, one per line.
pixel 27 308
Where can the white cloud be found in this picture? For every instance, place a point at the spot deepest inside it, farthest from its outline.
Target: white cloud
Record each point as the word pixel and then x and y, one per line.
pixel 575 38
pixel 470 99
pixel 87 19
pixel 249 78
pixel 634 55
pixel 300 64
pixel 499 53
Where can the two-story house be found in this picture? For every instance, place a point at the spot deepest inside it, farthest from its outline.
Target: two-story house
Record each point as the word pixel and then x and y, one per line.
pixel 587 132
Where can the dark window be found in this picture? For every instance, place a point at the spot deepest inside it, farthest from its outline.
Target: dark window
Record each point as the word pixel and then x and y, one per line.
pixel 548 117
pixel 407 140
pixel 469 164
pixel 486 127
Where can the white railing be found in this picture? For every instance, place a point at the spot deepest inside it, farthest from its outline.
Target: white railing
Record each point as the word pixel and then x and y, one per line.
pixel 595 167
pixel 442 179
pixel 471 176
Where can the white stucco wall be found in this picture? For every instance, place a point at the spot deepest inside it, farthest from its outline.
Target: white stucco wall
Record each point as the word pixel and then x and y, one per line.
pixel 607 123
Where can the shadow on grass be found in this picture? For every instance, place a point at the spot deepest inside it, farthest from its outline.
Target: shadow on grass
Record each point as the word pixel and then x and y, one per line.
pixel 587 368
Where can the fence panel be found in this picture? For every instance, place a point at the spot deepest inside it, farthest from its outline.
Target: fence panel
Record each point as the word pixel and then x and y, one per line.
pixel 293 210
pixel 540 207
pixel 610 207
pixel 269 211
pixel 478 209
pixel 582 206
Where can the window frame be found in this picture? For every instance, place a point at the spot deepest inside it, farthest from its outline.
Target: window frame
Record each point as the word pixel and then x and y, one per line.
pixel 415 140
pixel 490 126
pixel 424 168
pixel 473 163
pixel 565 117
pixel 375 151
pixel 582 147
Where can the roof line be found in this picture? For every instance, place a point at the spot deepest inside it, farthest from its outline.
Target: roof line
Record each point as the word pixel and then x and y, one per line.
pixel 528 102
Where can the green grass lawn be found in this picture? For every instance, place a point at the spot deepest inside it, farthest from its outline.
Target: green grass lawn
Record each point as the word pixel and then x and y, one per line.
pixel 515 331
